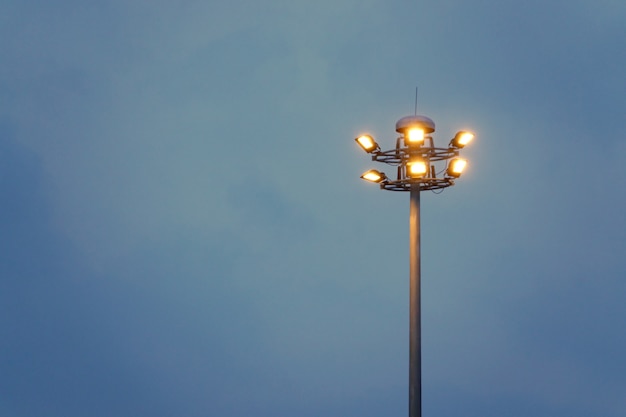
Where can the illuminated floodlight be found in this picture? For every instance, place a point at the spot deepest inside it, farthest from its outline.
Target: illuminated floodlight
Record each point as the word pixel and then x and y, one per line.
pixel 368 143
pixel 374 176
pixel 414 136
pixel 456 167
pixel 417 168
pixel 461 139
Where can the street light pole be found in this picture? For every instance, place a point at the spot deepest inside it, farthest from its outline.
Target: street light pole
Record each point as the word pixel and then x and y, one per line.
pixel 415 157
pixel 415 317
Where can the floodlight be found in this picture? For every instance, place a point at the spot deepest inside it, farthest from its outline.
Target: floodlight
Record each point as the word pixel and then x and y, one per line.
pixel 414 136
pixel 461 139
pixel 417 168
pixel 374 176
pixel 414 129
pixel 368 143
pixel 456 167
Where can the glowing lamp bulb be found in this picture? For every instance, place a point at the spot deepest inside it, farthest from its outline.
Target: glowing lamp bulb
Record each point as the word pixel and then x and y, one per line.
pixel 367 143
pixel 462 138
pixel 414 136
pixel 373 176
pixel 417 168
pixel 456 167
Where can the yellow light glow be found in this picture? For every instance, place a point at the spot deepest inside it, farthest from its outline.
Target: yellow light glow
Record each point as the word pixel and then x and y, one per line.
pixel 456 167
pixel 466 138
pixel 373 176
pixel 414 136
pixel 462 138
pixel 367 143
pixel 417 168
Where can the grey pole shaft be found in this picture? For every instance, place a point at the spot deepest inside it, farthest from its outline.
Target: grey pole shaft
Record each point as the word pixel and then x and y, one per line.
pixel 415 342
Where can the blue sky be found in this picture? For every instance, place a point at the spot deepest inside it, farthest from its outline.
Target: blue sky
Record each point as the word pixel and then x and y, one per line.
pixel 184 230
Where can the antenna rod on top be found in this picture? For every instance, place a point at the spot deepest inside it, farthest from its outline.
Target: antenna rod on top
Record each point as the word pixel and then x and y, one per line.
pixel 415 101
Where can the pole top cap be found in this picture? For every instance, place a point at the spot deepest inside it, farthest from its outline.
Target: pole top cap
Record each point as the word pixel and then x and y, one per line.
pixel 421 122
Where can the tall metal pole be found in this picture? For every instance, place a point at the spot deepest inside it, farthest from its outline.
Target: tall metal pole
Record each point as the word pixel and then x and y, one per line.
pixel 414 155
pixel 415 343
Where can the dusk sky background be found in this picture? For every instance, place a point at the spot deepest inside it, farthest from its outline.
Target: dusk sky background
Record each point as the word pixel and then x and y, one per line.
pixel 184 231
